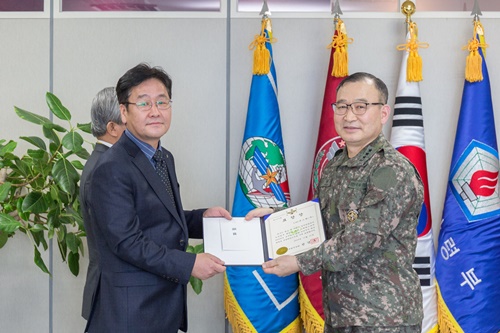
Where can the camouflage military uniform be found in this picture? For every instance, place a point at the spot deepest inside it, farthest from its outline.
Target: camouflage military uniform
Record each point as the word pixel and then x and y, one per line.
pixel 370 206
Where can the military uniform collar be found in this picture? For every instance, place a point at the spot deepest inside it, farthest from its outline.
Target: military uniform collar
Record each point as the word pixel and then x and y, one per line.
pixel 364 155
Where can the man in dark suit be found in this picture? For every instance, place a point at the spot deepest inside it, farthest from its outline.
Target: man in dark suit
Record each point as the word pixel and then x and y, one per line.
pixel 107 127
pixel 141 227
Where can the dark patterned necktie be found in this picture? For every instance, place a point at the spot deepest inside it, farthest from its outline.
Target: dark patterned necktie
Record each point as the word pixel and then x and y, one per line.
pixel 162 170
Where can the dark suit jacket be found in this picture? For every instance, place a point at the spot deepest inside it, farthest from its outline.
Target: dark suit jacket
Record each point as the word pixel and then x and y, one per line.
pixel 141 239
pixel 93 272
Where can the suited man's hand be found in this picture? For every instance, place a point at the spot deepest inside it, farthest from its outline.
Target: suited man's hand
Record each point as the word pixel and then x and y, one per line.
pixel 217 212
pixel 207 265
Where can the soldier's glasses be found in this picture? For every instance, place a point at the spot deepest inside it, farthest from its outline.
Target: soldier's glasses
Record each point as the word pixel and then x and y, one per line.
pixel 358 108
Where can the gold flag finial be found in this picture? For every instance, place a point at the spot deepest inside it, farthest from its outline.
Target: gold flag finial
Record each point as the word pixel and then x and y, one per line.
pixel 408 8
pixel 261 55
pixel 414 64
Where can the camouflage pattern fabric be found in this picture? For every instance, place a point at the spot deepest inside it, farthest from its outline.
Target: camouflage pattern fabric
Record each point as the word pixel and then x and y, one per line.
pixel 370 206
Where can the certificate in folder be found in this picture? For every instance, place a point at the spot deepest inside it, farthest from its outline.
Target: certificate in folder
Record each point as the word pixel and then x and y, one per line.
pixel 290 231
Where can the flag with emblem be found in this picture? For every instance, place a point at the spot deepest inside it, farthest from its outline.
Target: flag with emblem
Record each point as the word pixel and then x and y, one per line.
pixel 328 143
pixel 255 301
pixel 468 254
pixel 407 137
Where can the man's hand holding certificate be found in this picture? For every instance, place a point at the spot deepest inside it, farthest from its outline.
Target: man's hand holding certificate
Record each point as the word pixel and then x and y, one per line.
pixel 290 231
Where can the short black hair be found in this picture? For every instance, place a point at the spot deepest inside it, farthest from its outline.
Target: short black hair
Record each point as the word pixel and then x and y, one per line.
pixel 135 76
pixel 362 76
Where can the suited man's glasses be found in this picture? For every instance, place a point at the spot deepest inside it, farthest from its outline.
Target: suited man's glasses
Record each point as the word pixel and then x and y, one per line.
pixel 161 104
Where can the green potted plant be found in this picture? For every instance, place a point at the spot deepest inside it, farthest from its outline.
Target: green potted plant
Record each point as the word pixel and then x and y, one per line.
pixel 39 190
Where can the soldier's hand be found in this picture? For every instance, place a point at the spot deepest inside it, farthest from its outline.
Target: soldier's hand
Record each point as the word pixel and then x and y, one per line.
pixel 258 212
pixel 281 266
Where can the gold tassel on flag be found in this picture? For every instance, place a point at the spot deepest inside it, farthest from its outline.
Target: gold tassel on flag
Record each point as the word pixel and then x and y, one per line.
pixel 474 62
pixel 340 56
pixel 239 321
pixel 235 315
pixel 414 65
pixel 261 55
pixel 446 322
pixel 313 323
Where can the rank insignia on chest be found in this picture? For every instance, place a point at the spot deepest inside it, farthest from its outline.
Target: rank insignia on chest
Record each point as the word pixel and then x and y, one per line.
pixel 352 215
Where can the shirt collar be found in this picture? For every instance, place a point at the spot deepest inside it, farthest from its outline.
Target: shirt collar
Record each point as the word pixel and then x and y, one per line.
pixel 105 143
pixel 146 148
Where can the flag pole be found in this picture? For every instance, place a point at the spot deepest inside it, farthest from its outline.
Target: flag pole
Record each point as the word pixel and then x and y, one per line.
pixel 476 11
pixel 339 43
pixel 336 11
pixel 473 66
pixel 265 12
pixel 408 9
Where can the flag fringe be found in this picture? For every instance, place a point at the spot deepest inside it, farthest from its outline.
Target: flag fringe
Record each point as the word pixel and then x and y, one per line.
pixel 340 55
pixel 261 55
pixel 240 322
pixel 474 61
pixel 446 321
pixel 313 323
pixel 235 315
pixel 294 327
pixel 414 63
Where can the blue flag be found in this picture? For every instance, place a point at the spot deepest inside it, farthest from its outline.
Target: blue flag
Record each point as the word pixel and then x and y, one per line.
pixel 255 301
pixel 468 260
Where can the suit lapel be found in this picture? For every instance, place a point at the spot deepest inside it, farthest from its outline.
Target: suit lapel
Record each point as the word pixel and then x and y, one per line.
pixel 146 168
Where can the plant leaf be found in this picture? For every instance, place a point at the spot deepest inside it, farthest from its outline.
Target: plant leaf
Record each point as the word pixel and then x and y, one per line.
pixel 39 261
pixel 77 164
pixel 196 284
pixel 84 154
pixel 73 263
pixel 3 239
pixel 56 107
pixel 34 140
pixel 50 134
pixel 73 141
pixel 65 175
pixel 35 202
pixel 8 148
pixel 8 223
pixel 56 127
pixel 4 191
pixel 72 242
pixel 85 127
pixel 37 154
pixel 31 117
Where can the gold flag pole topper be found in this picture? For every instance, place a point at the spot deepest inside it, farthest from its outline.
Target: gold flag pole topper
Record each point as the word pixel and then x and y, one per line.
pixel 414 65
pixel 339 42
pixel 261 55
pixel 474 62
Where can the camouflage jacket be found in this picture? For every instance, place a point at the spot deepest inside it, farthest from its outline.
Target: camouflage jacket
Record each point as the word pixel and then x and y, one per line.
pixel 370 206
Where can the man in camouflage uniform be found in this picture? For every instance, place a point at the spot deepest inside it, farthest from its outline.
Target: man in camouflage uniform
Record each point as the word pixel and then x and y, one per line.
pixel 370 197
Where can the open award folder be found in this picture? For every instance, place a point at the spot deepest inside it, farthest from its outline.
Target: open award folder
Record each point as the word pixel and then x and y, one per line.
pixel 290 231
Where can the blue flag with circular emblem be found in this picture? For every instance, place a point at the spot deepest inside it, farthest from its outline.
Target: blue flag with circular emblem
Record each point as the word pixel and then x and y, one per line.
pixel 255 301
